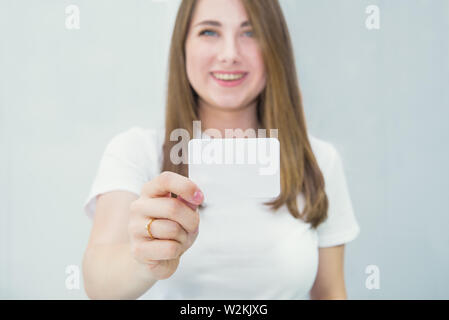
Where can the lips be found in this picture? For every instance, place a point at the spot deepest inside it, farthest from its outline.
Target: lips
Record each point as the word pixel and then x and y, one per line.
pixel 229 78
pixel 229 72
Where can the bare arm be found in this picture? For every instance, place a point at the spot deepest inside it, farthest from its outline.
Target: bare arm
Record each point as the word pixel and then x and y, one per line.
pixel 109 269
pixel 329 283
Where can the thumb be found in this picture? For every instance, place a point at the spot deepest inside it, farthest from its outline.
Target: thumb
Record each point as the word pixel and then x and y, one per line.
pixel 191 205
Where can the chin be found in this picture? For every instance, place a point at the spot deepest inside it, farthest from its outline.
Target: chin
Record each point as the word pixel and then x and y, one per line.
pixel 229 106
pixel 228 103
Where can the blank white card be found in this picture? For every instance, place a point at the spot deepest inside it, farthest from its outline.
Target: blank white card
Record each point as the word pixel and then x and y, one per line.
pixel 235 168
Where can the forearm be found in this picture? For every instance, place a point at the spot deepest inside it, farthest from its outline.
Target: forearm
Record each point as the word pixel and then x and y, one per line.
pixel 111 272
pixel 341 297
pixel 335 295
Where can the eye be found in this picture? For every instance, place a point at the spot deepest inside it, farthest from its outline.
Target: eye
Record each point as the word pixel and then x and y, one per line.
pixel 249 33
pixel 207 33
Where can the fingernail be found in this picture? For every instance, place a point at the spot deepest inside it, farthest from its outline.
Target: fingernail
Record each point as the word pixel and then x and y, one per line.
pixel 198 196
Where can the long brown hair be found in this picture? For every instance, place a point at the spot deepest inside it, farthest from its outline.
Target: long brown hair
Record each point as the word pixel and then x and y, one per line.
pixel 279 107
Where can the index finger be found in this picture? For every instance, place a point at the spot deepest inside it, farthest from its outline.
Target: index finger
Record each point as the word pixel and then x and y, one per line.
pixel 169 181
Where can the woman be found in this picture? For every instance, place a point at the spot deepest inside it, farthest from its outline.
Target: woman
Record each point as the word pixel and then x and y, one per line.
pixel 231 66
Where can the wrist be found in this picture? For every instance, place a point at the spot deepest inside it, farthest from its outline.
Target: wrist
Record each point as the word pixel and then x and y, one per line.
pixel 143 272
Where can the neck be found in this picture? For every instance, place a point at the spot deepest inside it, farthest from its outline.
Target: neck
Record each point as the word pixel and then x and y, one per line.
pixel 222 118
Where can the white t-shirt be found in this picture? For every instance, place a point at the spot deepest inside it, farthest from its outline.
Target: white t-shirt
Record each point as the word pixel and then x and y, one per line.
pixel 243 250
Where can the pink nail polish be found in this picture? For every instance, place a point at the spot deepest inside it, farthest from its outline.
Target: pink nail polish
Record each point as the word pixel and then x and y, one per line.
pixel 198 196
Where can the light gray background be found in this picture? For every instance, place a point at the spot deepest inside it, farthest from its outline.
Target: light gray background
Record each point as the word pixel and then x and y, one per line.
pixel 380 96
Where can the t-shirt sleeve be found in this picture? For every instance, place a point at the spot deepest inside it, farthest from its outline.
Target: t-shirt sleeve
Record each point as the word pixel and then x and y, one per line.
pixel 341 225
pixel 123 166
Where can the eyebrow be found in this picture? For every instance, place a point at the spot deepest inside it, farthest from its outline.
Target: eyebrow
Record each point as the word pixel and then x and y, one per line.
pixel 218 24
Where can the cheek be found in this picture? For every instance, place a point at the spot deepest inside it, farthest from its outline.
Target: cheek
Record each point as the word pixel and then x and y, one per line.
pixel 198 58
pixel 257 65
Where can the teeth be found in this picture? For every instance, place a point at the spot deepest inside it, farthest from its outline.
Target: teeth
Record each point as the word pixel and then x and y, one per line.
pixel 228 77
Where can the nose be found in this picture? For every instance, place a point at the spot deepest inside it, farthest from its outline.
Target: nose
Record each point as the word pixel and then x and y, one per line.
pixel 229 51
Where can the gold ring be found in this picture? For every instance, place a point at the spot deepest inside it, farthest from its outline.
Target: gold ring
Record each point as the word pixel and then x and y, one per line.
pixel 148 228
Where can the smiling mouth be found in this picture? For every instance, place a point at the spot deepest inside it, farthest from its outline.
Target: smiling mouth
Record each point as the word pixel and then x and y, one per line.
pixel 228 76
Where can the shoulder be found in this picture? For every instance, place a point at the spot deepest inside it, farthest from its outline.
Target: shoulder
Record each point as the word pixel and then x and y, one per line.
pixel 136 135
pixel 341 226
pixel 324 151
pixel 137 145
